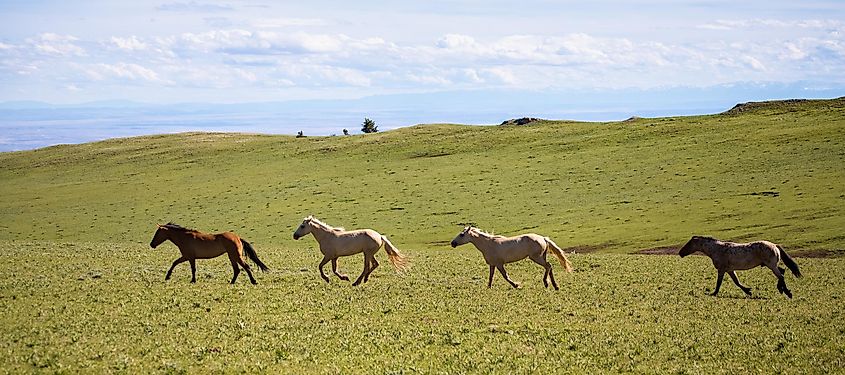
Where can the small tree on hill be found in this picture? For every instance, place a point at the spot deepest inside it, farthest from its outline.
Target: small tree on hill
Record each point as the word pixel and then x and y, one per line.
pixel 369 126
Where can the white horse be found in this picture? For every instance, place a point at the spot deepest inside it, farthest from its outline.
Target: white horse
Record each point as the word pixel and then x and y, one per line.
pixel 728 257
pixel 338 242
pixel 498 250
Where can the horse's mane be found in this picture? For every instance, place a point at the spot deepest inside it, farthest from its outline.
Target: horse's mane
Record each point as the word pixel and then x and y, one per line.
pixel 324 225
pixel 485 234
pixel 706 238
pixel 178 227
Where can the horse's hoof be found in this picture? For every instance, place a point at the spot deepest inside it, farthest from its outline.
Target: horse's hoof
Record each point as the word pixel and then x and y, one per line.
pixel 254 282
pixel 344 278
pixel 355 283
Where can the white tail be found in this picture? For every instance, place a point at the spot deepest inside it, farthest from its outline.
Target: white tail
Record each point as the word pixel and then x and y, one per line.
pixel 399 261
pixel 564 262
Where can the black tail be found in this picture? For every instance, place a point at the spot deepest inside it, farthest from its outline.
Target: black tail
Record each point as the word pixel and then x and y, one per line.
pixel 787 260
pixel 250 252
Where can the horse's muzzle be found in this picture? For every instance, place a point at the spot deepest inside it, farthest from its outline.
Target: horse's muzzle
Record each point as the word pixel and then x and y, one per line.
pixel 152 245
pixel 295 236
pixel 453 244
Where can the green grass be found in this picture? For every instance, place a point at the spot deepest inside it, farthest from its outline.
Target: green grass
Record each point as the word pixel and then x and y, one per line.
pixel 100 307
pixel 82 292
pixel 620 186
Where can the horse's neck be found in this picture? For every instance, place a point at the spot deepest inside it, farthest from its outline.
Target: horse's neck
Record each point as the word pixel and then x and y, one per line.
pixel 178 238
pixel 709 249
pixel 482 243
pixel 321 233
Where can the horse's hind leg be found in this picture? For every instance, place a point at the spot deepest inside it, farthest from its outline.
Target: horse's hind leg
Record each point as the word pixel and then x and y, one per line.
pixel 233 259
pixel 248 270
pixel 373 266
pixel 552 277
pixel 744 288
pixel 334 269
pixel 541 260
pixel 490 278
pixel 504 273
pixel 718 283
pixel 235 272
pixel 364 272
pixel 781 282
pixel 175 263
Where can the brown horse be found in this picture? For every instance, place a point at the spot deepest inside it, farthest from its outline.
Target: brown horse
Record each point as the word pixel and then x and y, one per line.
pixel 194 245
pixel 728 257
pixel 338 242
pixel 498 250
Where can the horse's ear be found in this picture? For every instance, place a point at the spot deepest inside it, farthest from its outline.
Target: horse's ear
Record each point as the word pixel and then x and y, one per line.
pixel 159 225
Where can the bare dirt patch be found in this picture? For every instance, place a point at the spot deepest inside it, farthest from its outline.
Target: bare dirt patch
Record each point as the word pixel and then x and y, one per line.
pixel 817 253
pixel 585 249
pixel 663 250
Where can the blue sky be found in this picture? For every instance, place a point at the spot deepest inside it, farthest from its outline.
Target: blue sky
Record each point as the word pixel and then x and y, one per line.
pixel 253 51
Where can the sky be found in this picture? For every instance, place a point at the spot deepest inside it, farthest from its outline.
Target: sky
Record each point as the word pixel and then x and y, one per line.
pixel 163 52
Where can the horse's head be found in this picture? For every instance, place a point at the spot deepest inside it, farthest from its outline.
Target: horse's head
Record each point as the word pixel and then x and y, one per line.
pixel 161 235
pixel 462 237
pixel 693 245
pixel 303 228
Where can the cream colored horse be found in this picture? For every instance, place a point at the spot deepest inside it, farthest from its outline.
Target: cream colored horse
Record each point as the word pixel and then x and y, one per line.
pixel 337 242
pixel 498 250
pixel 728 257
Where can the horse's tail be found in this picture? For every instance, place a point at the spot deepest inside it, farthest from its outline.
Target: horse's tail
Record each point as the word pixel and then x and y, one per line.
pixel 250 252
pixel 787 260
pixel 558 252
pixel 399 261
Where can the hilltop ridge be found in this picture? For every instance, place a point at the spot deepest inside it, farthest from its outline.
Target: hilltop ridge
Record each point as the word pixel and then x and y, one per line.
pixel 615 186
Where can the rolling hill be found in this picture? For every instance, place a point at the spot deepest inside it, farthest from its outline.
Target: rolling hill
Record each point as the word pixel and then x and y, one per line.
pixel 770 170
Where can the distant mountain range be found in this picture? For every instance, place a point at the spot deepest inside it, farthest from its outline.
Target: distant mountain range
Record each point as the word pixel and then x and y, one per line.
pixel 32 124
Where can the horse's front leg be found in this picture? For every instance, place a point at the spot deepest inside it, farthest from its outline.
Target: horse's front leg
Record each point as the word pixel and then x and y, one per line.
pixel 334 270
pixel 193 270
pixel 504 273
pixel 490 278
pixel 175 263
pixel 323 263
pixel 718 283
pixel 744 288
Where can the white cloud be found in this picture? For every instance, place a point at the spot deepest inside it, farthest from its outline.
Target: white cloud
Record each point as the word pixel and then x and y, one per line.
pixel 194 6
pixel 55 44
pixel 128 71
pixel 277 23
pixel 266 58
pixel 131 43
pixel 735 24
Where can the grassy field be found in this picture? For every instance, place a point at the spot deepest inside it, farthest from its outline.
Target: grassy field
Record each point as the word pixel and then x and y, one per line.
pixel 97 307
pixel 773 172
pixel 82 291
